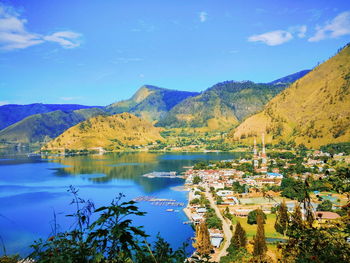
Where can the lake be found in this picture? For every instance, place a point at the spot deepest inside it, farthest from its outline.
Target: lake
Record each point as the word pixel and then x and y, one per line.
pixel 34 189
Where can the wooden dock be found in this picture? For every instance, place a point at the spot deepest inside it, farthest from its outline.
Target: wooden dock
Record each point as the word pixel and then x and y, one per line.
pixel 158 201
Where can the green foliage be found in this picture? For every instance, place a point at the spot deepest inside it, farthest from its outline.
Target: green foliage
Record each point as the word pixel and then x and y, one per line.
pixel 326 205
pixel 282 218
pixel 253 215
pixel 237 187
pixel 110 238
pixel 260 247
pixel 9 259
pixel 245 167
pixel 293 189
pixel 236 255
pixel 326 243
pixel 343 147
pixel 239 239
pixel 212 219
pixel 281 155
pixel 196 180
pixel 200 166
pixel 161 252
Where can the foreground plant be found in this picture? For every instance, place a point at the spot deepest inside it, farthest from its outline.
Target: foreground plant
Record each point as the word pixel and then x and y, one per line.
pixel 110 238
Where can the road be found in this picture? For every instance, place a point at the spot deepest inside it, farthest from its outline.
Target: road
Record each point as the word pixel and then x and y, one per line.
pixel 225 226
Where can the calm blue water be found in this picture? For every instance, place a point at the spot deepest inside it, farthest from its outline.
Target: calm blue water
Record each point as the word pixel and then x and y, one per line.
pixel 32 190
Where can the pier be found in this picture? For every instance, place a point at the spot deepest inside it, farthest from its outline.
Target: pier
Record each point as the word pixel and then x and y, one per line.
pixel 158 201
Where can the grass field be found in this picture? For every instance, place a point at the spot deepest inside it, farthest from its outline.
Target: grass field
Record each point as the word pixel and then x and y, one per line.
pixel 270 231
pixel 259 200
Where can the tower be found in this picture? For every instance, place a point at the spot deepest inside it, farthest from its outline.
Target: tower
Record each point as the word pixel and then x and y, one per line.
pixel 263 155
pixel 255 156
pixel 263 145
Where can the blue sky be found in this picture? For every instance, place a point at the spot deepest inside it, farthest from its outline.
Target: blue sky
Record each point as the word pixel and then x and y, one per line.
pixel 98 52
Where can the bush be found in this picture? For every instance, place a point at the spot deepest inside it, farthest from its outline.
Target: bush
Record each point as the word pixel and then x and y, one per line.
pixel 196 180
pixel 326 205
pixel 252 216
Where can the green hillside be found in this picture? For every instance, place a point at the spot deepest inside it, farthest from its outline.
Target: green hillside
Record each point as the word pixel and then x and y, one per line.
pixel 150 102
pixel 109 132
pixel 12 113
pixel 45 126
pixel 221 106
pixel 315 110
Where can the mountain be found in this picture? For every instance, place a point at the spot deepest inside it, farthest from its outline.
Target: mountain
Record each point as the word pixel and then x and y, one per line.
pixel 314 110
pixel 42 127
pixel 291 78
pixel 12 113
pixel 150 102
pixel 110 132
pixel 221 106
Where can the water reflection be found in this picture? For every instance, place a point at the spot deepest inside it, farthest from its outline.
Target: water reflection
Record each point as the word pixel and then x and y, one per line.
pixel 131 166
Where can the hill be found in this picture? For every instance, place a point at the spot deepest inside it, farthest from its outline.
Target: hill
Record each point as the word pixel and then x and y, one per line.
pixel 12 113
pixel 45 126
pixel 109 132
pixel 315 110
pixel 291 78
pixel 150 102
pixel 221 106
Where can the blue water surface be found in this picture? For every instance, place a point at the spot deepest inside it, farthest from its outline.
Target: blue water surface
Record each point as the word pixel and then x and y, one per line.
pixel 33 191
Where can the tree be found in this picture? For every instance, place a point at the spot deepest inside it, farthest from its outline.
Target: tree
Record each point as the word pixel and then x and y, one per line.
pixel 307 243
pixel 252 216
pixel 202 243
pixel 239 239
pixel 326 205
pixel 282 218
pixel 260 247
pixel 197 179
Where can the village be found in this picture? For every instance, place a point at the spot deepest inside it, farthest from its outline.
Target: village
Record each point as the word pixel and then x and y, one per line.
pixel 227 192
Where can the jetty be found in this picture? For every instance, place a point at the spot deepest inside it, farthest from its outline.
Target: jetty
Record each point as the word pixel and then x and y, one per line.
pixel 158 201
pixel 162 175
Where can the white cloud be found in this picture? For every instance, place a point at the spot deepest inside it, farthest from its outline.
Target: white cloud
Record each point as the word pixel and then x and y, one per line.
pixel 14 35
pixel 272 38
pixel 2 103
pixel 339 26
pixel 302 31
pixel 66 39
pixel 203 16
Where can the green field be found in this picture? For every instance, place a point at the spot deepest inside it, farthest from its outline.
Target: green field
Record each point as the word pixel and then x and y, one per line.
pixel 270 231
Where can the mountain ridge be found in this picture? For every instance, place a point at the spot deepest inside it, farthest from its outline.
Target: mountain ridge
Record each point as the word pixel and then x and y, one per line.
pixel 12 113
pixel 150 102
pixel 42 127
pixel 314 110
pixel 112 132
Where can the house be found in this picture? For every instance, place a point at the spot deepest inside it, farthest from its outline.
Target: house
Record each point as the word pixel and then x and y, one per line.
pixel 324 216
pixel 216 237
pixel 241 212
pixel 201 210
pixel 274 175
pixel 196 218
pixel 223 193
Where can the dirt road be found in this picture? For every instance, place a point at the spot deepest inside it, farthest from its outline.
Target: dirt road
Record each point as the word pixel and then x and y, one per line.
pixel 225 226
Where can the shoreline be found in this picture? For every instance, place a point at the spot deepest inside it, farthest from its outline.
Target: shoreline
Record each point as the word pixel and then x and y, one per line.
pixel 187 209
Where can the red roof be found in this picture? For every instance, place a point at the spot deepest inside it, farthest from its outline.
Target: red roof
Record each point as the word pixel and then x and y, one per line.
pixel 326 215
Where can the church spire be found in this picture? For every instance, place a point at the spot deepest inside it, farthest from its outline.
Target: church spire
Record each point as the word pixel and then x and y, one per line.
pixel 263 144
